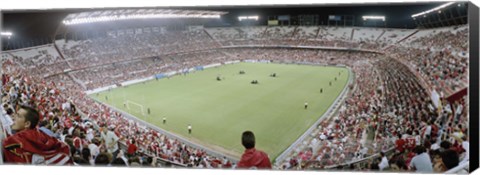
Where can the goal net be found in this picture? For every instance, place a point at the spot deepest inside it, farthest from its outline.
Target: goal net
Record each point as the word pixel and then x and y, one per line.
pixel 135 107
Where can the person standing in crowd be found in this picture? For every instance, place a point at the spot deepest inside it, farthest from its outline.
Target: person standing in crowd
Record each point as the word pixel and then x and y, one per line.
pixel 252 158
pixel 94 149
pixel 132 149
pixel 400 144
pixel 384 163
pixel 110 139
pixel 30 145
pixel 421 162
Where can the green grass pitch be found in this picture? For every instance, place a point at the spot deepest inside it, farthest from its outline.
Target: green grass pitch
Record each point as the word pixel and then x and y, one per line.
pixel 219 111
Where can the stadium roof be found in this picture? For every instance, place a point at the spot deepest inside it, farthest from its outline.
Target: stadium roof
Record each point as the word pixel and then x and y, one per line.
pixel 433 10
pixel 125 14
pixel 34 27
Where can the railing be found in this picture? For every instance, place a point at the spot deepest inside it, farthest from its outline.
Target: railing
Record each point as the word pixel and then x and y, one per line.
pixel 361 160
pixel 162 161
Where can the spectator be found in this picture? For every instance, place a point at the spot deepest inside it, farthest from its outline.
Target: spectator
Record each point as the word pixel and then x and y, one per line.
pixel 94 149
pixel 252 158
pixel 421 162
pixel 438 166
pixel 449 156
pixel 102 159
pixel 6 119
pixel 466 147
pixel 29 145
pixel 110 140
pixel 132 149
pixel 384 163
pixel 400 144
pixel 77 160
pixel 86 155
pixel 118 162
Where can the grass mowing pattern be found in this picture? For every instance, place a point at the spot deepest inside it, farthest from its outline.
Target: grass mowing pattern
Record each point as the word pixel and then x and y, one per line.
pixel 219 111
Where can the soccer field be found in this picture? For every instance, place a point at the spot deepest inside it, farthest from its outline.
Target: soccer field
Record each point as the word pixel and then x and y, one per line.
pixel 219 111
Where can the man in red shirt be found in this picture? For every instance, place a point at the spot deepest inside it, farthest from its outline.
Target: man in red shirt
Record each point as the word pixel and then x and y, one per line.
pixel 252 158
pixel 411 143
pixel 132 149
pixel 30 145
pixel 400 144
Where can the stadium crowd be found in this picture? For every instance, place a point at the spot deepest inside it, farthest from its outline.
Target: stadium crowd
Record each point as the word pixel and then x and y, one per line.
pixel 118 72
pixel 443 69
pixel 42 60
pixel 111 49
pixel 307 36
pixel 453 39
pixel 386 107
pixel 88 135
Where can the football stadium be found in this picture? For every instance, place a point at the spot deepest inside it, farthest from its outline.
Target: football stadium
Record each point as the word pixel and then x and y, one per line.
pixel 371 87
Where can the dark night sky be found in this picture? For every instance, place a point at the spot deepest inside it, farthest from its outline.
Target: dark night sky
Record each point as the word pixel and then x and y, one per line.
pixel 27 25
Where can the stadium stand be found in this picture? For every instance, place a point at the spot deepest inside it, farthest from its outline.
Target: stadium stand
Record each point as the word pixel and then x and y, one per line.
pixel 389 103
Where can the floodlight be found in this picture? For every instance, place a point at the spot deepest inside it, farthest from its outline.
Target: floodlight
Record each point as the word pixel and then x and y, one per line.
pixel 241 18
pixel 374 18
pixel 434 9
pixel 8 34
pixel 91 17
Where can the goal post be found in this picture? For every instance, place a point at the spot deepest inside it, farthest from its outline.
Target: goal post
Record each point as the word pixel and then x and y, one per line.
pixel 135 107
